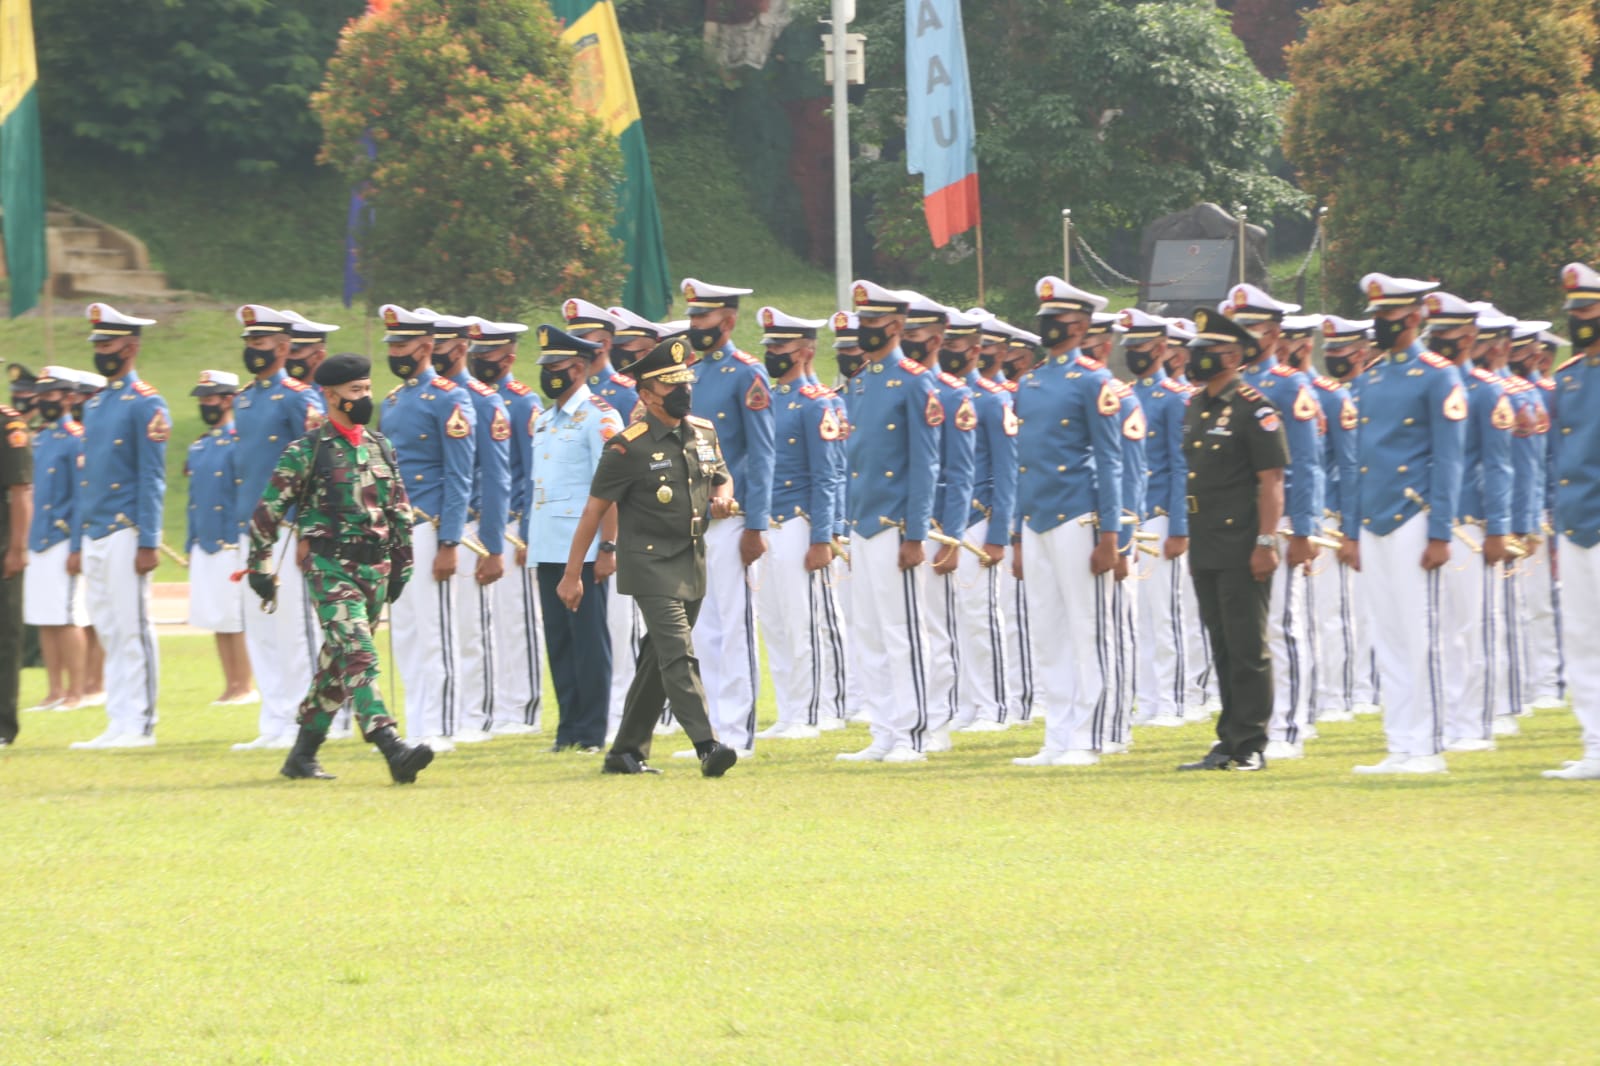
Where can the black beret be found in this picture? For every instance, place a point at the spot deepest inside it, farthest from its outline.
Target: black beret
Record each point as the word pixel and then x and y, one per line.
pixel 343 368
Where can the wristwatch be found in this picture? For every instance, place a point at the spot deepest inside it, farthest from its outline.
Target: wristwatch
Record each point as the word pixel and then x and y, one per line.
pixel 1266 540
pixel 608 546
pixel 448 543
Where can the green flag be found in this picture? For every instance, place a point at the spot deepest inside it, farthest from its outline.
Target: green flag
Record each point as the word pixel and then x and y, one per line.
pixel 602 85
pixel 21 157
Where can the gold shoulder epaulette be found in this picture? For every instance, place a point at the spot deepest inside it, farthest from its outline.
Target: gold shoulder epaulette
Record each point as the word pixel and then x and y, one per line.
pixel 635 431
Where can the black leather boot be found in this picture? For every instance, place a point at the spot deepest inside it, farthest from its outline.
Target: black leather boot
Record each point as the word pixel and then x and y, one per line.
pixel 302 760
pixel 406 761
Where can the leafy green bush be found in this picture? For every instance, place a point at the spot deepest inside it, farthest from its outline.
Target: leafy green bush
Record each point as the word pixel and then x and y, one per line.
pixel 490 190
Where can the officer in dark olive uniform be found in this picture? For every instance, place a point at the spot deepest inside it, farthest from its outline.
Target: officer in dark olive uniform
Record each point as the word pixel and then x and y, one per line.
pixel 16 515
pixel 1236 449
pixel 666 476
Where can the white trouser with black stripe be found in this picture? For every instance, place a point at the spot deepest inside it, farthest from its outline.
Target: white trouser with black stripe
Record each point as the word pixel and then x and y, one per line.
pixel 1472 643
pixel 1121 684
pixel 626 630
pixel 477 640
pixel 725 636
pixel 283 645
pixel 1401 604
pixel 1344 655
pixel 1162 621
pixel 981 638
pixel 1541 593
pixel 1512 650
pixel 1291 659
pixel 519 655
pixel 795 607
pixel 941 629
pixel 1019 647
pixel 887 611
pixel 1580 602
pixel 119 609
pixel 1069 619
pixel 424 627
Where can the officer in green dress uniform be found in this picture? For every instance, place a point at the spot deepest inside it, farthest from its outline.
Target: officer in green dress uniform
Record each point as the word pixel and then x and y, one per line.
pixel 666 476
pixel 16 515
pixel 1234 442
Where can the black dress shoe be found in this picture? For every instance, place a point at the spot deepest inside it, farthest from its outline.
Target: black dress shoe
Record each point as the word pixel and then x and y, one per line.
pixel 718 760
pixel 626 762
pixel 1214 760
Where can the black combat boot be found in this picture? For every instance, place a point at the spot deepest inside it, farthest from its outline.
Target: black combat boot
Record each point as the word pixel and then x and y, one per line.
pixel 405 760
pixel 302 760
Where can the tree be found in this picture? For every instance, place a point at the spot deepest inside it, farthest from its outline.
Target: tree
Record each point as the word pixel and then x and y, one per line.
pixel 1453 141
pixel 225 78
pixel 490 190
pixel 1122 111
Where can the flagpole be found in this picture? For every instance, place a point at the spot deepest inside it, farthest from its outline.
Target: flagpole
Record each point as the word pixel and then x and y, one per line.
pixel 49 306
pixel 981 299
pixel 843 270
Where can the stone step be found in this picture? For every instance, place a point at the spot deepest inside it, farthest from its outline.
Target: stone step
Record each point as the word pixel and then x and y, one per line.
pixel 60 218
pixel 72 237
pixel 92 260
pixel 117 283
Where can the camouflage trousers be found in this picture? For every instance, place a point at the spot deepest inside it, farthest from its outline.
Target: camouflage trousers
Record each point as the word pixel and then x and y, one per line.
pixel 348 598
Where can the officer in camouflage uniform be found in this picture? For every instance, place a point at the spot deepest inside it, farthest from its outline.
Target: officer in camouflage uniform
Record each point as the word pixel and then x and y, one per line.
pixel 354 514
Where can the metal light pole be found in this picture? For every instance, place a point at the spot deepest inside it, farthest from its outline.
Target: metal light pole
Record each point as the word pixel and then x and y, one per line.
pixel 1066 244
pixel 843 269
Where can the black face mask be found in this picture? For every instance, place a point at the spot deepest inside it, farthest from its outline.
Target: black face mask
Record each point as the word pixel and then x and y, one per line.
pixel 298 369
pixel 873 338
pixel 403 366
pixel 77 410
pixel 49 410
pixel 553 382
pixel 703 340
pixel 256 359
pixel 485 370
pixel 1012 369
pixel 357 411
pixel 1205 365
pixel 1449 347
pixel 1582 332
pixel 952 363
pixel 441 360
pixel 677 402
pixel 1339 366
pixel 1052 331
pixel 850 365
pixel 1523 368
pixel 1139 362
pixel 1386 332
pixel 916 350
pixel 986 362
pixel 108 364
pixel 210 415
pixel 778 364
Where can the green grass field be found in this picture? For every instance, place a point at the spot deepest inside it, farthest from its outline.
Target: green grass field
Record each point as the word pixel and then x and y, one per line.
pixel 183 904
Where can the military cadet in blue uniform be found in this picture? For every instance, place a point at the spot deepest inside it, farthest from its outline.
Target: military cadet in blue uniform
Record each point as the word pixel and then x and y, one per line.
pixel 123 487
pixel 1575 439
pixel 212 532
pixel 16 516
pixel 733 392
pixel 1164 608
pixel 796 594
pixel 1236 453
pixel 634 338
pixel 1530 456
pixel 519 686
pixel 599 326
pixel 568 437
pixel 308 347
pixel 430 421
pixel 848 359
pixel 476 626
pixel 89 384
pixel 1069 513
pixel 52 599
pixel 1288 630
pixel 893 455
pixel 1412 408
pixel 926 321
pixel 1344 649
pixel 271 412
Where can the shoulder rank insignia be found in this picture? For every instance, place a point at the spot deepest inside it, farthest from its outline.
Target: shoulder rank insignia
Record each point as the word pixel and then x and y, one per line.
pixel 500 428
pixel 989 386
pixel 1133 425
pixel 966 415
pixel 1347 415
pixel 624 380
pixel 1435 360
pixel 813 392
pixel 758 397
pixel 1089 364
pixel 517 388
pixel 599 401
pixel 1325 383
pixel 1481 374
pixel 144 388
pixel 1109 402
pixel 1502 417
pixel 295 386
pixel 635 431
pixel 456 426
pixel 1249 392
pixel 1574 361
pixel 73 428
pixel 479 387
pixel 1455 404
pixel 394 392
pixel 951 380
pixel 159 428
pixel 1282 371
pixel 911 366
pixel 746 358
pixel 443 384
pixel 1305 405
pixel 693 420
pixel 829 427
pixel 933 411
